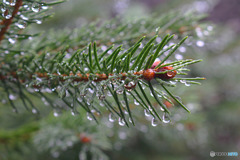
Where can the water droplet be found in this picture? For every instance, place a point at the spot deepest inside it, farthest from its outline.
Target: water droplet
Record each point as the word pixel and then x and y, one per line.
pixel 101 104
pixel 44 7
pixel 12 41
pixel 147 113
pixel 173 82
pixel 101 97
pixel 151 94
pixel 182 49
pixel 110 118
pixel 154 122
pixel 123 104
pixel 55 154
pixel 130 85
pixel 34 111
pixel 182 81
pixel 89 117
pixel 19 25
pixel 4 101
pixel 12 97
pixel 178 56
pixel 121 33
pixel 36 7
pixel 200 43
pixel 162 109
pixel 122 135
pixel 158 39
pixel 121 122
pixel 109 94
pixel 23 17
pixel 165 118
pixel 15 110
pixel 55 114
pixel 210 28
pixel 104 48
pixel 38 21
pixel 136 102
pixel 119 91
pixel 91 90
pixel 130 120
pixel 73 113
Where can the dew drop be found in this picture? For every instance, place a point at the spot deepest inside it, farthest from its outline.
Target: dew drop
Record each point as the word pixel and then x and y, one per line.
pixel 110 118
pixel 178 56
pixel 73 113
pixel 146 113
pixel 44 7
pixel 15 110
pixel 104 48
pixel 34 111
pixel 154 122
pixel 21 26
pixel 38 21
pixel 136 102
pixel 4 101
pixel 12 97
pixel 162 109
pixel 182 49
pixel 89 117
pixel 151 94
pixel 158 39
pixel 55 114
pixel 130 120
pixel 55 154
pixel 101 97
pixel 165 118
pixel 121 122
pixel 91 90
pixel 200 43
pixel 12 41
pixel 35 7
pixel 173 82
pixel 23 17
pixel 109 94
pixel 119 91
pixel 101 104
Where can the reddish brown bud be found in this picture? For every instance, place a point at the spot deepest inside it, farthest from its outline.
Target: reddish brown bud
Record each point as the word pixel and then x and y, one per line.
pixel 85 139
pixel 167 75
pixel 148 74
pixel 155 64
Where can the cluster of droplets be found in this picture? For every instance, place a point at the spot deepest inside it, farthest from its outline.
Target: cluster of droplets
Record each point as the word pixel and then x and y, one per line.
pixel 6 12
pixel 154 120
pixel 185 83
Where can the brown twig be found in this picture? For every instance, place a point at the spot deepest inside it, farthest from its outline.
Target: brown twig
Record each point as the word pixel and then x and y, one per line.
pixel 8 22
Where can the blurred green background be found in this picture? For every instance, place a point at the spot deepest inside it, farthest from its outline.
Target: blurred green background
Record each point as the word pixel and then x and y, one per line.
pixel 215 105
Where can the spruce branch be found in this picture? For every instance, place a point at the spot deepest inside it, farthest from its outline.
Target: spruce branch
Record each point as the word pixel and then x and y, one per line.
pixel 84 75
